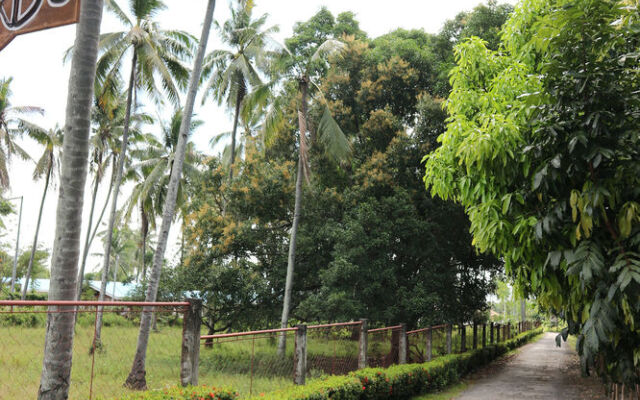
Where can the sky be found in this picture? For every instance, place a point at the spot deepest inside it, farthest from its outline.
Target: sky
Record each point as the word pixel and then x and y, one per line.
pixel 40 78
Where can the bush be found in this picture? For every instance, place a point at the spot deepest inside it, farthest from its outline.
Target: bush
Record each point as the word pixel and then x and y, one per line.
pixel 185 393
pixel 109 319
pixel 400 382
pixel 24 319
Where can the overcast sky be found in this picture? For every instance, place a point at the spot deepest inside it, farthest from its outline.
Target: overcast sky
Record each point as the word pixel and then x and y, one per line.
pixel 40 79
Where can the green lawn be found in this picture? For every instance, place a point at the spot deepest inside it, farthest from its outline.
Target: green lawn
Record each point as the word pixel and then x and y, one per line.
pixel 21 363
pixel 224 364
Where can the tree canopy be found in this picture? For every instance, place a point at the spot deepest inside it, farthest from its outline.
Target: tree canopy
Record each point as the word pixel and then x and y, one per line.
pixel 542 150
pixel 371 242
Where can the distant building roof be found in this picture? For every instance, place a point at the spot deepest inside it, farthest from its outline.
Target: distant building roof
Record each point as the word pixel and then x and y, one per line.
pixel 118 291
pixel 121 290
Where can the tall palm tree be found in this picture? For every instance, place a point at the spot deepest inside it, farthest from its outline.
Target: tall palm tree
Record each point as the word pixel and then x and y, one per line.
pixel 58 350
pixel 152 175
pixel 46 167
pixel 108 116
pixel 232 73
pixel 302 68
pixel 137 376
pixel 10 117
pixel 153 52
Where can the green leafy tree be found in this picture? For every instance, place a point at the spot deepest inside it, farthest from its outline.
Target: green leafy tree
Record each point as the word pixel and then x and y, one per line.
pixel 541 149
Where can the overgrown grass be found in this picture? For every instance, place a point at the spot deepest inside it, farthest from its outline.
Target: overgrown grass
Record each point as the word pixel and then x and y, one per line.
pixel 21 363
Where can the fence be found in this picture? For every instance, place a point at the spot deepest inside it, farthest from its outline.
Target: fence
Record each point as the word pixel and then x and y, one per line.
pixel 177 353
pixel 249 361
pixel 100 364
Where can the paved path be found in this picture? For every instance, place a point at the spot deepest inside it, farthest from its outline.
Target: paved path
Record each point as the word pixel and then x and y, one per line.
pixel 539 370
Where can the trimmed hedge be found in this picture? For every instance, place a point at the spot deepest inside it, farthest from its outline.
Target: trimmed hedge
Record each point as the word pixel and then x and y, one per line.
pixel 185 393
pixel 400 382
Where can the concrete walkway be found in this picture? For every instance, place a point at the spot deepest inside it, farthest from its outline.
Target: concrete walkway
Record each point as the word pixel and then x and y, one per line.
pixel 539 370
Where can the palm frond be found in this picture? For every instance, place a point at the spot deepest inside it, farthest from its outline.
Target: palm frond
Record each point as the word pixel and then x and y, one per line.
pixel 112 6
pixel 330 47
pixel 335 143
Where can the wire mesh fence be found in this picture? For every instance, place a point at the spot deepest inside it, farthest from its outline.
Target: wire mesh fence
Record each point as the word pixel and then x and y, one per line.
pixel 384 346
pixel 332 349
pixel 248 361
pixel 426 344
pixel 100 365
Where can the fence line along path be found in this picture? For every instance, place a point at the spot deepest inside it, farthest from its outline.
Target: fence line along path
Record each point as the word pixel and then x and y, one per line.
pixel 178 355
pixel 248 361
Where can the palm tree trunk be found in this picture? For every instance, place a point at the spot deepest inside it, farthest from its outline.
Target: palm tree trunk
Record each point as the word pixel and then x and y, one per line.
pixel 137 376
pixel 233 136
pixel 115 277
pixel 116 189
pixel 144 230
pixel 286 306
pixel 85 252
pixel 56 365
pixel 35 237
pixel 106 203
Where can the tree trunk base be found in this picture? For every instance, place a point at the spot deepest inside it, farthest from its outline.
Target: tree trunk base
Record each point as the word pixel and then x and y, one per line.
pixel 136 380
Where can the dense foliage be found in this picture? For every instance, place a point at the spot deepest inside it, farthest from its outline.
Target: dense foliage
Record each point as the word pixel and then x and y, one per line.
pixel 371 242
pixel 542 150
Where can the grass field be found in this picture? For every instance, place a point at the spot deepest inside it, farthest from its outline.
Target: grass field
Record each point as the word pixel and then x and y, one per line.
pixel 224 364
pixel 21 363
pixel 249 365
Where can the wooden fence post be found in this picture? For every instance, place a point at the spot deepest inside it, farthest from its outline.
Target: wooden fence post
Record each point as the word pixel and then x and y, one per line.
pixel 449 334
pixel 463 338
pixel 491 333
pixel 475 335
pixel 429 348
pixel 301 355
pixel 498 333
pixel 364 343
pixel 192 321
pixel 402 345
pixel 484 335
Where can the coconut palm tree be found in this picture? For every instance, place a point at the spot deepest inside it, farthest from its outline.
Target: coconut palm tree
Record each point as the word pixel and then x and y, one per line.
pixel 154 52
pixel 108 116
pixel 302 68
pixel 46 167
pixel 152 174
pixel 232 73
pixel 137 376
pixel 58 354
pixel 10 117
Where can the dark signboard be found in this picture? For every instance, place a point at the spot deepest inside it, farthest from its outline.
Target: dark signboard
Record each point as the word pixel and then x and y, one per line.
pixel 24 16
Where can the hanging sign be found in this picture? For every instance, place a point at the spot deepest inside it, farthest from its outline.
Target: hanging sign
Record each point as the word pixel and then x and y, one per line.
pixel 24 16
